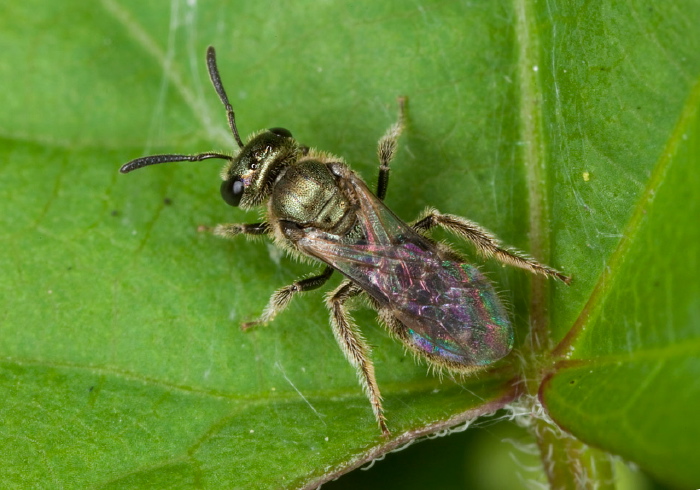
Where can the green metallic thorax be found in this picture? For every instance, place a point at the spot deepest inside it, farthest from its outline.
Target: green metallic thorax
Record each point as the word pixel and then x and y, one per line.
pixel 307 193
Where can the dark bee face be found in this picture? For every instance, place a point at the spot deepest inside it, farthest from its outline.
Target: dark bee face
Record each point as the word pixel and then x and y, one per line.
pixel 249 177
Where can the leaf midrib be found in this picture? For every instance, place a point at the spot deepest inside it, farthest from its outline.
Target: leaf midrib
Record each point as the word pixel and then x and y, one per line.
pixel 531 135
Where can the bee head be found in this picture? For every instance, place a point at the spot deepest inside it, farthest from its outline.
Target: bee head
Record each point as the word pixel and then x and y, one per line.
pixel 249 177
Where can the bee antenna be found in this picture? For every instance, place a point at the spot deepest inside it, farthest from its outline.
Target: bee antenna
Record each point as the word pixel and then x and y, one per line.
pixel 218 86
pixel 156 159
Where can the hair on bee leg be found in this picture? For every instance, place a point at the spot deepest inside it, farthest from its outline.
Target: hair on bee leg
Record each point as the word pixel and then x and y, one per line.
pixel 487 244
pixel 281 298
pixel 355 347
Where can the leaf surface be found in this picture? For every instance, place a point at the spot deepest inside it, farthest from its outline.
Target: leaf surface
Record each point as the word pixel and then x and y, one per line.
pixel 122 363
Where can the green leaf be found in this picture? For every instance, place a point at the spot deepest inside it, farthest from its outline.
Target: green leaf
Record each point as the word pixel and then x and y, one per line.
pixel 625 135
pixel 630 381
pixel 570 131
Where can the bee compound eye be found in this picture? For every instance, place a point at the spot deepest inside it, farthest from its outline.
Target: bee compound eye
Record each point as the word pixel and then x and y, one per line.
pixel 232 191
pixel 285 133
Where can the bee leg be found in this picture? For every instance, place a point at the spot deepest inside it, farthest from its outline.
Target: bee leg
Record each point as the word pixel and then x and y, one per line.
pixel 233 229
pixel 354 346
pixel 386 149
pixel 281 298
pixel 485 242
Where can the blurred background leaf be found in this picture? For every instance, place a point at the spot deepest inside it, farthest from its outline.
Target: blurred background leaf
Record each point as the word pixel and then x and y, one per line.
pixel 122 362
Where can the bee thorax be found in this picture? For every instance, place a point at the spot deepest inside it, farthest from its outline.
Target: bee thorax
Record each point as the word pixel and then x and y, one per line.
pixel 307 194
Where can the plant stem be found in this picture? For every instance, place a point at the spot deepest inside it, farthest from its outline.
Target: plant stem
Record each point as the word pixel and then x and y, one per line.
pixel 569 463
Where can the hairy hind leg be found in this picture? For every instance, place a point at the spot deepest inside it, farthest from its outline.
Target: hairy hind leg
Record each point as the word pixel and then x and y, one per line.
pixel 355 347
pixel 484 242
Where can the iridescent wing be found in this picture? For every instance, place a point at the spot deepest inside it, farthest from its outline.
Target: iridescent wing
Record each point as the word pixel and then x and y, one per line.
pixel 450 310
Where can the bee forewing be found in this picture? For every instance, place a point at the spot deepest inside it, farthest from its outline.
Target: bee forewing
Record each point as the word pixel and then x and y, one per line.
pixel 449 309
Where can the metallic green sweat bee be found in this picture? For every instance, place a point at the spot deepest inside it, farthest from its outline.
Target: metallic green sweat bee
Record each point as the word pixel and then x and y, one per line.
pixel 434 302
